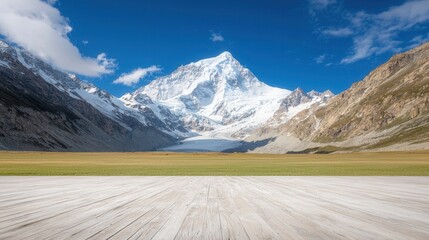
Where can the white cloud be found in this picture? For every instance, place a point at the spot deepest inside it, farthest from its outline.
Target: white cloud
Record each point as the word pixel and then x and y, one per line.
pixel 136 75
pixel 85 42
pixel 320 59
pixel 216 37
pixel 378 33
pixel 39 27
pixel 418 40
pixel 338 32
pixel 320 4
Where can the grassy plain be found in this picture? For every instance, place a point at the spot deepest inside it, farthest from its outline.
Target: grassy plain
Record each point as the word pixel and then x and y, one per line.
pixel 214 164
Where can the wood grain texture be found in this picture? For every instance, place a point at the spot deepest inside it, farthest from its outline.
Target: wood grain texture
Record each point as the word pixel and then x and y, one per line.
pixel 214 208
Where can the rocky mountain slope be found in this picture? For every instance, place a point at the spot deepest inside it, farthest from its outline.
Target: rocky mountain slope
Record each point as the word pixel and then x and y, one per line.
pixel 296 102
pixel 109 105
pixel 389 109
pixel 45 109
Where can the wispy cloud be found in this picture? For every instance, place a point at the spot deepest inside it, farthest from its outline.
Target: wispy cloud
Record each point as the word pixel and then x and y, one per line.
pixel 136 75
pixel 338 32
pixel 216 37
pixel 418 40
pixel 320 59
pixel 374 34
pixel 85 42
pixel 39 27
pixel 323 59
pixel 320 4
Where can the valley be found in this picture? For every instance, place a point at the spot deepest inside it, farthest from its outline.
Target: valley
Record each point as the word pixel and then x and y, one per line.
pixel 214 120
pixel 213 105
pixel 211 98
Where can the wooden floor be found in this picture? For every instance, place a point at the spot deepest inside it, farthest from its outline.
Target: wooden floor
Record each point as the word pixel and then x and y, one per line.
pixel 214 208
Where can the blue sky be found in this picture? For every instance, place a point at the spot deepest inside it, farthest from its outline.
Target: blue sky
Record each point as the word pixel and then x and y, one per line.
pixel 312 44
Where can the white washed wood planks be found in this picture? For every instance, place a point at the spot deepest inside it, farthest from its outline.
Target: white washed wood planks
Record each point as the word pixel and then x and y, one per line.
pixel 214 207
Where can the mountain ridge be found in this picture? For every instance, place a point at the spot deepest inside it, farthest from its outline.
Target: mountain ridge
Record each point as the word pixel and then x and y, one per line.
pixel 388 108
pixel 213 98
pixel 43 109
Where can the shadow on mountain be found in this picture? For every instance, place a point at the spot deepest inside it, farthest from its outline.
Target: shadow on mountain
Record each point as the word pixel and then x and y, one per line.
pixel 249 146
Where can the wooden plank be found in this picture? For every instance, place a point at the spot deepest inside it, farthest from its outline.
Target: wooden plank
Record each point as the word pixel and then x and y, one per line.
pixel 214 207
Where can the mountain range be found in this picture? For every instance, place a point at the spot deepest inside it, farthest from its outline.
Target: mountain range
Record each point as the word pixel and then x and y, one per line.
pixel 215 103
pixel 387 110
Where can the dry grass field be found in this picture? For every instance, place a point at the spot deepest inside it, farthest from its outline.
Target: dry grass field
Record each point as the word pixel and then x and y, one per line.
pixel 214 164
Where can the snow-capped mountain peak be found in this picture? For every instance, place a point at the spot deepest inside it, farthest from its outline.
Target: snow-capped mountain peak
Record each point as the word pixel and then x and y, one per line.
pixel 226 54
pixel 221 58
pixel 215 94
pixel 296 102
pixel 214 97
pixel 3 45
pixel 222 74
